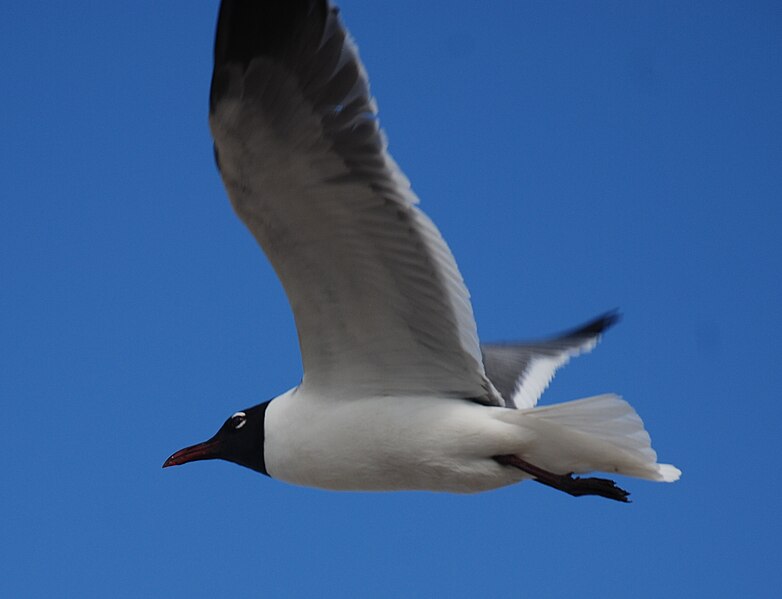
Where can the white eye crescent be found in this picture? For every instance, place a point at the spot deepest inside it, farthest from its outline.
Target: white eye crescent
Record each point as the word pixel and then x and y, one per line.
pixel 239 420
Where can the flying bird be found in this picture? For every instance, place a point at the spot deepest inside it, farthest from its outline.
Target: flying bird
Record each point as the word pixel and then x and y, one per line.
pixel 397 392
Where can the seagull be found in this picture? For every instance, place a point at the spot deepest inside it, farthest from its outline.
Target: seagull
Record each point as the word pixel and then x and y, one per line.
pixel 397 392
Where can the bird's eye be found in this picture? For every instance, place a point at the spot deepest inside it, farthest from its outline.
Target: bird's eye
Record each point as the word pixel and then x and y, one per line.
pixel 238 420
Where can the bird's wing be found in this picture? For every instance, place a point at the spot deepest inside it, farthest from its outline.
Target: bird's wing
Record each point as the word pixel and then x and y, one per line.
pixel 522 371
pixel 379 303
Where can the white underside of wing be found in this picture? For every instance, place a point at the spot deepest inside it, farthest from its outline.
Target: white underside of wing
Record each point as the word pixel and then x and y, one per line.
pixel 379 303
pixel 540 372
pixel 539 375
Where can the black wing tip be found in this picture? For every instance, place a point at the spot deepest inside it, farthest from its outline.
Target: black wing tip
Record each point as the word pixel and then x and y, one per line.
pixel 597 326
pixel 246 30
pixel 279 29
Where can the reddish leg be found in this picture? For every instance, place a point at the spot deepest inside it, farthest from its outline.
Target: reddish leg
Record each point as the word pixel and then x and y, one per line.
pixel 571 485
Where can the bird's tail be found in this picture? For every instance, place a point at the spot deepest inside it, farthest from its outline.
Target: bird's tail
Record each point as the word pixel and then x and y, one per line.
pixel 601 433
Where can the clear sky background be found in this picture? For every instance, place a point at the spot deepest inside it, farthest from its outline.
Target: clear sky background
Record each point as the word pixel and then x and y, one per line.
pixel 578 156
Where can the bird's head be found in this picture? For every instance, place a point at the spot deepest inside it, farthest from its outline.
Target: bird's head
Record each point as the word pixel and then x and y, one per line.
pixel 239 440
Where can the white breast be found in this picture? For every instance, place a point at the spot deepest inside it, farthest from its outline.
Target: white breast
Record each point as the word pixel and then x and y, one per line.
pixel 378 444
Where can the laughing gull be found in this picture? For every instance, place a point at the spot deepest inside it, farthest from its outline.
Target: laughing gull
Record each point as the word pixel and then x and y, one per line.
pixel 397 392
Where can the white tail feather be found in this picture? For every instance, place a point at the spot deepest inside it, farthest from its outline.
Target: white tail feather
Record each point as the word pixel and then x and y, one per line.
pixel 601 433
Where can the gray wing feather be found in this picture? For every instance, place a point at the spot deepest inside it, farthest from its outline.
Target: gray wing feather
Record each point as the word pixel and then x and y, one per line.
pixel 379 303
pixel 521 371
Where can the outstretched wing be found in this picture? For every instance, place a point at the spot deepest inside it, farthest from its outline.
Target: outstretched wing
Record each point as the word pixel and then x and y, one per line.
pixel 522 371
pixel 379 303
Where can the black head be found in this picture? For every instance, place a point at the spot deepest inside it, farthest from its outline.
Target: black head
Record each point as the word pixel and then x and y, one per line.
pixel 239 440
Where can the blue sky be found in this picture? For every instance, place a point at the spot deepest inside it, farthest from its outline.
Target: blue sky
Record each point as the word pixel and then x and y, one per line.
pixel 578 156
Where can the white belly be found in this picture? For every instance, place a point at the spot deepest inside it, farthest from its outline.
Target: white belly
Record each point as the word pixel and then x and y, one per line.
pixel 377 444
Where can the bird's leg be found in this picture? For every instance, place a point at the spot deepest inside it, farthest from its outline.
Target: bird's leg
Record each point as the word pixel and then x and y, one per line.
pixel 571 485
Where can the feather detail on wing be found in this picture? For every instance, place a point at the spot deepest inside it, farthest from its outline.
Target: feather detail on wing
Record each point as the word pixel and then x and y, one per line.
pixel 379 303
pixel 521 371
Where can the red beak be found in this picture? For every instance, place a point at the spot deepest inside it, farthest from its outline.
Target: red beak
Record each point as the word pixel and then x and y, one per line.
pixel 207 450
